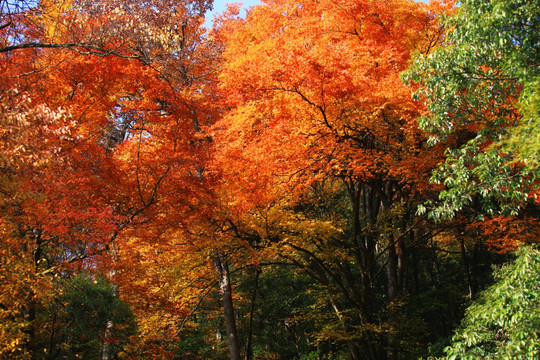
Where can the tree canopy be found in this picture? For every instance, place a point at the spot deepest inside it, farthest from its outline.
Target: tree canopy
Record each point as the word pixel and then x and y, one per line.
pixel 482 86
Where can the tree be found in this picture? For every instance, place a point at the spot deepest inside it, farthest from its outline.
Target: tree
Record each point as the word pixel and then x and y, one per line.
pixel 31 140
pixel 317 113
pixel 481 91
pixel 78 316
pixel 123 79
pixel 481 88
pixel 503 323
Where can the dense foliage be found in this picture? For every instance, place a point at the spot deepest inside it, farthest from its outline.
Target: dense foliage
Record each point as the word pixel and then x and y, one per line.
pixel 313 180
pixel 482 86
pixel 503 323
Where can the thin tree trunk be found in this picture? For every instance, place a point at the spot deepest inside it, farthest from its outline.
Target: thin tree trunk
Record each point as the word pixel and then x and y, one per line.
pixel 29 311
pixel 107 352
pixel 353 351
pixel 393 295
pixel 467 268
pixel 224 282
pixel 392 267
pixel 249 335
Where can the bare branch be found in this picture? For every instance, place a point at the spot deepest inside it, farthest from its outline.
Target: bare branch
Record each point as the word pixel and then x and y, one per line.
pixel 81 48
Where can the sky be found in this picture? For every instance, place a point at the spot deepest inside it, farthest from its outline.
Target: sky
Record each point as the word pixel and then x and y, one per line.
pixel 220 6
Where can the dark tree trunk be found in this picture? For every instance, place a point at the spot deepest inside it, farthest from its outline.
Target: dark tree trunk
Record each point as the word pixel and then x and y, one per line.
pixel 249 335
pixel 224 283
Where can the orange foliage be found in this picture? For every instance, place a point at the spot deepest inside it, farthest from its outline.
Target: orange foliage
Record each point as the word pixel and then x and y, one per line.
pixel 111 159
pixel 120 152
pixel 314 91
pixel 505 234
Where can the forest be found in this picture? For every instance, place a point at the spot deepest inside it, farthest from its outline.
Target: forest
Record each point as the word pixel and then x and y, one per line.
pixel 309 179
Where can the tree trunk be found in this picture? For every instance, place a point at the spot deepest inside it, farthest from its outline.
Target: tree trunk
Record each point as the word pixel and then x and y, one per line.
pixel 29 314
pixel 249 335
pixel 467 268
pixel 29 311
pixel 224 282
pixel 353 351
pixel 107 352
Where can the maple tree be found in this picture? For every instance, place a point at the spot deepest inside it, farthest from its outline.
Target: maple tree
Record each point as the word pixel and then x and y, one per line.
pixel 30 142
pixel 108 67
pixel 318 112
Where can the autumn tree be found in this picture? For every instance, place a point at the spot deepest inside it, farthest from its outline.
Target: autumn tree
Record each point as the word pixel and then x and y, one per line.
pixel 32 138
pixel 318 115
pixel 73 180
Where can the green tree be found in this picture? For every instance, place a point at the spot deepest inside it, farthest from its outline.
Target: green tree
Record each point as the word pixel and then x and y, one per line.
pixel 503 323
pixel 84 306
pixel 482 88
